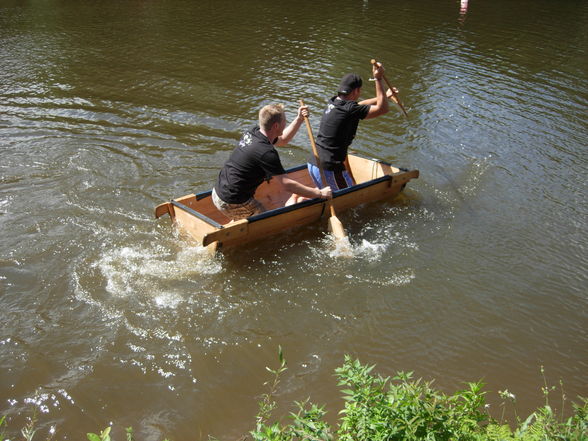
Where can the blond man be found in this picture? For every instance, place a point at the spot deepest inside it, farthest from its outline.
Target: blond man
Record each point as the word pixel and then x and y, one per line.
pixel 254 160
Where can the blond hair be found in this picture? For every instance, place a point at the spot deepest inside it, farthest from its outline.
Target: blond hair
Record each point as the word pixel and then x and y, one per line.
pixel 270 114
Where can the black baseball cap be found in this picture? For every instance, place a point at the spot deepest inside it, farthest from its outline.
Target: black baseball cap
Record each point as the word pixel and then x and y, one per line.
pixel 349 82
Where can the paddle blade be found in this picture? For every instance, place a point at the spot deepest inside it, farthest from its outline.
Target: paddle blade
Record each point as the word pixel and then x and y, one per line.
pixel 336 228
pixel 342 244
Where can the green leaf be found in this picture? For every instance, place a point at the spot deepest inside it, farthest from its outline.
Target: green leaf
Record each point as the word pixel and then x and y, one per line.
pixel 129 431
pixel 105 435
pixel 93 437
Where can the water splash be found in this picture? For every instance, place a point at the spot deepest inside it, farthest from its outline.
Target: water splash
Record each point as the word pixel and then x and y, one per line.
pixel 130 270
pixel 342 247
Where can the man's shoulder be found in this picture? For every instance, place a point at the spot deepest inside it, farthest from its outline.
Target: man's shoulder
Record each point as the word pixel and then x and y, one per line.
pixel 354 108
pixel 250 135
pixel 339 105
pixel 344 104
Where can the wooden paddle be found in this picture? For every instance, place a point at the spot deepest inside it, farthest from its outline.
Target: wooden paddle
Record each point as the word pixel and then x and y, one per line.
pixel 394 94
pixel 335 225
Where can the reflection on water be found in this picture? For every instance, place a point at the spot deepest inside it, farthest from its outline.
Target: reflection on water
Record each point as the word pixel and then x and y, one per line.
pixel 463 9
pixel 477 271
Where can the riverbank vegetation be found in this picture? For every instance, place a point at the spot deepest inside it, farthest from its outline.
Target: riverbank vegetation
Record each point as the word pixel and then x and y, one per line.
pixel 400 408
pixel 404 409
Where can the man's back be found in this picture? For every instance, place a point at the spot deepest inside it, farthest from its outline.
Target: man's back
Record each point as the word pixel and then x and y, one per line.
pixel 254 160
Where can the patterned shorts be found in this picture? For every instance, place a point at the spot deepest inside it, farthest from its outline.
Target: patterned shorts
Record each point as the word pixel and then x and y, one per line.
pixel 237 211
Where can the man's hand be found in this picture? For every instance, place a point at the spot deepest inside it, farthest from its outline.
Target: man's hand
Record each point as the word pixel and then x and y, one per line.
pixel 377 71
pixel 303 112
pixel 391 92
pixel 326 193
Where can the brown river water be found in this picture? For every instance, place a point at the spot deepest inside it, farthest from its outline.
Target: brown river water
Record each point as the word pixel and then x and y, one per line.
pixel 108 108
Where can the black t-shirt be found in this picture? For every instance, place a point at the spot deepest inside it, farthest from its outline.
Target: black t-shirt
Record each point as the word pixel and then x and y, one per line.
pixel 337 130
pixel 254 160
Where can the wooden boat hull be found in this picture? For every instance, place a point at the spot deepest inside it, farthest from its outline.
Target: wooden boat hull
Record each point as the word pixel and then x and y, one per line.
pixel 196 215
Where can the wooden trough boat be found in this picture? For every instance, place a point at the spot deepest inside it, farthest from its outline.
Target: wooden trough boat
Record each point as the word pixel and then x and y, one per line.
pixel 196 215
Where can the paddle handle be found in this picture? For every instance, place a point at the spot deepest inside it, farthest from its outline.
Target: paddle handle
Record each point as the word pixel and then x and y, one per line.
pixel 394 94
pixel 314 149
pixel 316 156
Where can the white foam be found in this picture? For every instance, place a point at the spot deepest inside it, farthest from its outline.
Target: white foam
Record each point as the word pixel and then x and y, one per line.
pixel 371 251
pixel 132 270
pixel 342 247
pixel 168 300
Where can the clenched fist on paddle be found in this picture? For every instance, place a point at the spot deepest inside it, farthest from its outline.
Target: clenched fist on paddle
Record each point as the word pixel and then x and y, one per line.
pixel 393 90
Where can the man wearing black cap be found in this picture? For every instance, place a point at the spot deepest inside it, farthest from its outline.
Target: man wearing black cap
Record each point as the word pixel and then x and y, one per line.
pixel 339 124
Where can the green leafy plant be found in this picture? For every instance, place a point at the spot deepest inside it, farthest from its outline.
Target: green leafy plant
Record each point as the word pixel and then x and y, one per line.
pixel 2 423
pixel 29 430
pixel 129 431
pixel 404 409
pixel 268 404
pixel 104 435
